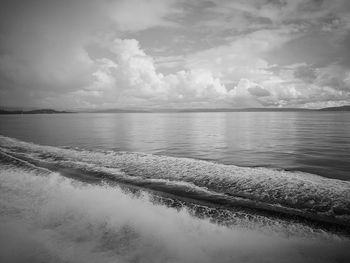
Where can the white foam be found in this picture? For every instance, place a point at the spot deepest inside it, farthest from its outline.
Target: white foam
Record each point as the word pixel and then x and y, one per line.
pixel 55 219
pixel 327 198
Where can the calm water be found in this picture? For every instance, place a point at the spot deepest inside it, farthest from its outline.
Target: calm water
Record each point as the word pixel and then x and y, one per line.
pixel 316 142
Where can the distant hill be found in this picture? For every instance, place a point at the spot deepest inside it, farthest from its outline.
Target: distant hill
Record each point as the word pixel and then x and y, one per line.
pixel 117 111
pixel 165 110
pixel 40 111
pixel 340 108
pixel 245 110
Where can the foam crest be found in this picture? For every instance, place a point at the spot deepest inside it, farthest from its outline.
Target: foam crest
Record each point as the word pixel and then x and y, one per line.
pixel 297 193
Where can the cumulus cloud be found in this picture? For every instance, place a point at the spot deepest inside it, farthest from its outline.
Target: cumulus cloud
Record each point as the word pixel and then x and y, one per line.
pixel 242 57
pixel 118 53
pixel 129 77
pixel 258 91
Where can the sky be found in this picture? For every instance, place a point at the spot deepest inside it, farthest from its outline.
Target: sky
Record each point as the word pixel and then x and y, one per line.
pixel 87 54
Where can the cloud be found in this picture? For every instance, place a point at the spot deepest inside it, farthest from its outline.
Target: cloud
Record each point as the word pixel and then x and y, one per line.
pixel 284 12
pixel 243 57
pixel 135 15
pixel 258 91
pixel 293 85
pixel 78 54
pixel 306 73
pixel 129 78
pixel 135 78
pixel 43 48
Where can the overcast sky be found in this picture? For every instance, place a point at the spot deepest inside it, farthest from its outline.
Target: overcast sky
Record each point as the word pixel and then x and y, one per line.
pixel 179 53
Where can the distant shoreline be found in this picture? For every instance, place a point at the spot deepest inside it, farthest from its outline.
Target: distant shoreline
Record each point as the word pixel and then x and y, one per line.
pixel 40 111
pixel 51 111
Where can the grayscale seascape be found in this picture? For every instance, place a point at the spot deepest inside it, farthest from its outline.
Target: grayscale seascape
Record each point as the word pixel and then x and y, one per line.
pixel 170 131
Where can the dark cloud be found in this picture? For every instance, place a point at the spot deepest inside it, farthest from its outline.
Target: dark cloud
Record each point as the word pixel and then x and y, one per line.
pixel 344 54
pixel 258 91
pixel 305 73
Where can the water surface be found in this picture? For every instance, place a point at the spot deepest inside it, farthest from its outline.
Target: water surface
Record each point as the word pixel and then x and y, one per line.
pixel 115 188
pixel 315 142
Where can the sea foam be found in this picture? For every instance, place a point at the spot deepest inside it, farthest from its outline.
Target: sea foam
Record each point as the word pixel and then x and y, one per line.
pixel 293 193
pixel 49 218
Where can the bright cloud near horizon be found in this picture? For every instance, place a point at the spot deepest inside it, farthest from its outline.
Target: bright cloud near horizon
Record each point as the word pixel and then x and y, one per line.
pixel 75 54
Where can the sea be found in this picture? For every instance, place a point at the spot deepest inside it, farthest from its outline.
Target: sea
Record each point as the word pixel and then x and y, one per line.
pixel 175 187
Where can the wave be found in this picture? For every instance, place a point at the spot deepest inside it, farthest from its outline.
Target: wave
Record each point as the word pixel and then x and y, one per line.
pixel 45 217
pixel 281 192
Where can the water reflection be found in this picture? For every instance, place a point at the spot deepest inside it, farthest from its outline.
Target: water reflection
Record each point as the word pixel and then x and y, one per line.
pixel 317 142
